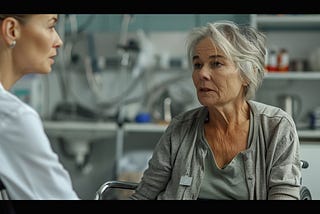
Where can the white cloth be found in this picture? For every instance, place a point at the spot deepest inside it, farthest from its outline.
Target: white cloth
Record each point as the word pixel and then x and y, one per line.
pixel 29 168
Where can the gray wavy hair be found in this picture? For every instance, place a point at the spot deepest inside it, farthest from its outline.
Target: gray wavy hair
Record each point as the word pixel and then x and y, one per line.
pixel 244 45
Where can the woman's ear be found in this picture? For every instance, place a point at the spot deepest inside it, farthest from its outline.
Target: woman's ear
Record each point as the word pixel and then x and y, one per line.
pixel 9 30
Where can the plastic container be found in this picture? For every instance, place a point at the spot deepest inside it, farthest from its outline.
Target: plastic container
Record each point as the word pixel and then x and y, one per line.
pixel 143 117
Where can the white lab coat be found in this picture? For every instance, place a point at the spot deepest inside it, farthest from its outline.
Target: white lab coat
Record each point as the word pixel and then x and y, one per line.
pixel 29 168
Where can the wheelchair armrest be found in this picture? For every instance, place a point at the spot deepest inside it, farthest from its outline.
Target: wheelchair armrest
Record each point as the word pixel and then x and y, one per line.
pixel 114 185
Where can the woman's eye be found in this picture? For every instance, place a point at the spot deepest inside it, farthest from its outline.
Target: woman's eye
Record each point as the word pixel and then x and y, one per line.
pixel 196 65
pixel 216 64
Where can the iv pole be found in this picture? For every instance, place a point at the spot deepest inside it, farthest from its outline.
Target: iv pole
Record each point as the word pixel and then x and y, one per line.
pixel 125 55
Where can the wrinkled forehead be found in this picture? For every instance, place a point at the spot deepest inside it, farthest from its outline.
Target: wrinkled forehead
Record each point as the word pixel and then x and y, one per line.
pixel 207 46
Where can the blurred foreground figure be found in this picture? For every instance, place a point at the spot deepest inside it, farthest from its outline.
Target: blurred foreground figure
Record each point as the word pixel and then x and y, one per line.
pixel 29 167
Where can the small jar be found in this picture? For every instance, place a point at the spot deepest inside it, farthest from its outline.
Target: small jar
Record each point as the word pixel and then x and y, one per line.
pixel 272 65
pixel 283 60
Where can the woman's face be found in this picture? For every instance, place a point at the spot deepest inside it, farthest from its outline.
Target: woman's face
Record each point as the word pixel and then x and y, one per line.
pixel 37 44
pixel 216 78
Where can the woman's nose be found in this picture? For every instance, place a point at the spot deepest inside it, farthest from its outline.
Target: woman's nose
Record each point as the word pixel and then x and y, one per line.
pixel 58 42
pixel 204 72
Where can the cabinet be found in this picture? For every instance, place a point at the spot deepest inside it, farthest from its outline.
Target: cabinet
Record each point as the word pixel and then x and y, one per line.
pixel 80 134
pixel 300 21
pixel 298 34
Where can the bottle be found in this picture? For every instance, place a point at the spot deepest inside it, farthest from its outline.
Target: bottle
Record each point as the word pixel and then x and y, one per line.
pixel 283 60
pixel 272 65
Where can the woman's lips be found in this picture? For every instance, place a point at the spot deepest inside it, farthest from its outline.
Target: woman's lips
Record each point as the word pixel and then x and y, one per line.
pixel 205 89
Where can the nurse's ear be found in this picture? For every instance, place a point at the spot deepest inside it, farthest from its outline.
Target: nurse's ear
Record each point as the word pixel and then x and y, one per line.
pixel 10 29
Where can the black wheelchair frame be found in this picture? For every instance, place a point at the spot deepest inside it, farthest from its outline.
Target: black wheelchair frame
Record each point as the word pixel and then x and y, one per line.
pixel 109 186
pixel 305 193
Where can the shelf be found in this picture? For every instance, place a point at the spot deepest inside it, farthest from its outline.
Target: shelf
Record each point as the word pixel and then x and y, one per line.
pixel 309 134
pixel 89 130
pixel 144 127
pixel 292 21
pixel 79 130
pixel 83 131
pixel 272 23
pixel 79 126
pixel 295 75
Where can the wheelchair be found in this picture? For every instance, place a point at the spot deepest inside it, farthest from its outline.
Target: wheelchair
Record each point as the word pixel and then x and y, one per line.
pixel 113 190
pixel 7 206
pixel 3 192
pixel 305 193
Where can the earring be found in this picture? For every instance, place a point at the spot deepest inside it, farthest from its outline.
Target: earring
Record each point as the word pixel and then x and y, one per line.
pixel 13 44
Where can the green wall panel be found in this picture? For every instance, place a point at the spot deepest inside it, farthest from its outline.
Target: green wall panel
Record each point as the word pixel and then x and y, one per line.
pixel 153 22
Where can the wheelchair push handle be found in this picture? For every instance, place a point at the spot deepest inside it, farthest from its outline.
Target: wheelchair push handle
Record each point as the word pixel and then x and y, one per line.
pixel 304 164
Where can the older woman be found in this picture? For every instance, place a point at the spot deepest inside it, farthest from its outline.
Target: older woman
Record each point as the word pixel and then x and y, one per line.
pixel 231 147
pixel 29 167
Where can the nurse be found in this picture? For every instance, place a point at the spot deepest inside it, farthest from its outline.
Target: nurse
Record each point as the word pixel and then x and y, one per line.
pixel 30 170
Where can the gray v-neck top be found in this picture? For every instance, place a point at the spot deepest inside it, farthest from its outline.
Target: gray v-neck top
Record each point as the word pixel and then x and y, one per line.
pixel 229 182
